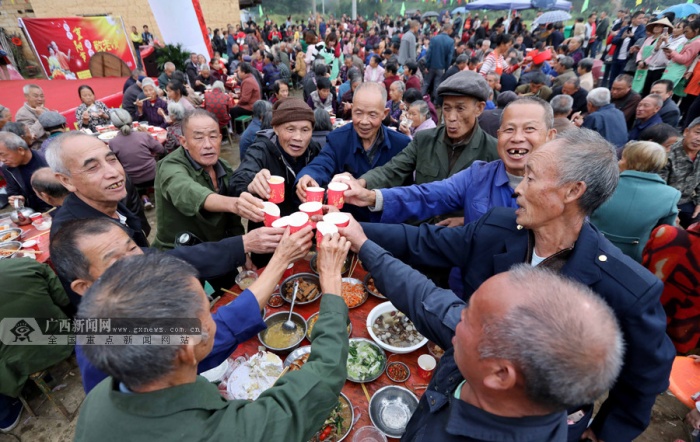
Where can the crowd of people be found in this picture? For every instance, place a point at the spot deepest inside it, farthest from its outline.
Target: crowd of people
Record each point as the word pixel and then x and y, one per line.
pixel 514 190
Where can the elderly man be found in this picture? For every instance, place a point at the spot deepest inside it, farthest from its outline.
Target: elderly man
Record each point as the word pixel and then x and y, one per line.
pixel 156 393
pixel 562 107
pixel 83 250
pixel 250 91
pixel 132 95
pixel 54 124
pixel 358 147
pixel 489 385
pixel 31 110
pixel 536 87
pixel 624 98
pixel 192 188
pixel 481 186
pixel 48 188
pixel 439 153
pixel 565 180
pixel 438 59
pixel 19 163
pixel 572 87
pixel 603 117
pixel 564 68
pixel 166 75
pixel 682 171
pixel 91 171
pixel 669 113
pixel 647 115
pixel 407 50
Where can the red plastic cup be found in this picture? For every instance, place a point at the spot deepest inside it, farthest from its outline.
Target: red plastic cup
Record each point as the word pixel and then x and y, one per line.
pixel 276 184
pixel 332 119
pixel 426 366
pixel 271 213
pixel 281 223
pixel 312 208
pixel 324 228
pixel 315 194
pixel 36 217
pixel 339 219
pixel 336 194
pixel 297 221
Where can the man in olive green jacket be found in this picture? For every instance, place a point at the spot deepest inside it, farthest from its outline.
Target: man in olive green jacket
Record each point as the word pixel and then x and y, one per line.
pixel 436 154
pixel 162 398
pixel 191 184
pixel 29 290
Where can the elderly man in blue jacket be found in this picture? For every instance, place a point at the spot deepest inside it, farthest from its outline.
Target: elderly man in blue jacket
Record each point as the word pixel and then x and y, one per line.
pixel 358 147
pixel 565 181
pixel 603 117
pixel 438 59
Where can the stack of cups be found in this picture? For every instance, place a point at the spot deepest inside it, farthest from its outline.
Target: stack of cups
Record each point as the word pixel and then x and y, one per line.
pixel 336 194
pixel 271 212
pixel 276 184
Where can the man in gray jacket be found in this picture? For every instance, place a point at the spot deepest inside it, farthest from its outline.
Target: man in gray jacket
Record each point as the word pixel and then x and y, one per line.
pixel 407 50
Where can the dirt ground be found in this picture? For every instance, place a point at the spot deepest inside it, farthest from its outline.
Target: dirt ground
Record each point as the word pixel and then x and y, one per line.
pixel 50 426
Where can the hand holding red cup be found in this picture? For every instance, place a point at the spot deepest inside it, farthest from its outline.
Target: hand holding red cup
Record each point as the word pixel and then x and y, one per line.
pixel 339 219
pixel 297 221
pixel 312 209
pixel 315 194
pixel 324 228
pixel 336 194
pixel 271 213
pixel 276 184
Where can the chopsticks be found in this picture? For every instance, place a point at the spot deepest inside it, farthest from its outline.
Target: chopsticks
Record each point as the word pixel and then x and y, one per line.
pixel 49 211
pixel 230 292
pixel 40 234
pixel 355 260
pixel 366 392
pixel 286 369
pixel 31 252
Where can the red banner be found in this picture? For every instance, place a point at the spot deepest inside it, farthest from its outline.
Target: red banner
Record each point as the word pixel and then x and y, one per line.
pixel 65 45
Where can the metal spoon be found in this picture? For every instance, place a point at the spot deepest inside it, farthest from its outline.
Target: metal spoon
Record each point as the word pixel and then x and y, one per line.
pixel 289 325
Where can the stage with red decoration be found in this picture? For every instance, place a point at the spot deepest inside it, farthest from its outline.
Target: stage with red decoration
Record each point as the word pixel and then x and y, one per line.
pixel 62 95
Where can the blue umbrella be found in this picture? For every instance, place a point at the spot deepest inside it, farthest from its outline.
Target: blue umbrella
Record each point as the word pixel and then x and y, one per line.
pixel 461 10
pixel 683 10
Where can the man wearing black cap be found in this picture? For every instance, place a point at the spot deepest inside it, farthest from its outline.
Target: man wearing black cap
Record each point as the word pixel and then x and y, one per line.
pixel 54 124
pixel 436 154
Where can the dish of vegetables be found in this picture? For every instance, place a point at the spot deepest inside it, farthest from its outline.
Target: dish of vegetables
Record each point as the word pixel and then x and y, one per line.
pixel 366 360
pixel 338 424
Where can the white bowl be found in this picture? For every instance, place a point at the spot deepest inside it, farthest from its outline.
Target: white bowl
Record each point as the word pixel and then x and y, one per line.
pixel 374 314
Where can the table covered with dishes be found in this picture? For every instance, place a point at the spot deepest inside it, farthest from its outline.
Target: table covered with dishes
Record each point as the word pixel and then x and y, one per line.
pixel 390 374
pixel 29 240
pixel 106 133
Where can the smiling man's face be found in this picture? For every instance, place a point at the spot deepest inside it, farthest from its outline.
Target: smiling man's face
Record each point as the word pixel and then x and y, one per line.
pixel 523 129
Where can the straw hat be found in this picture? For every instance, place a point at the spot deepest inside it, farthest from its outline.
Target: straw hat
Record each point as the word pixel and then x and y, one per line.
pixel 663 22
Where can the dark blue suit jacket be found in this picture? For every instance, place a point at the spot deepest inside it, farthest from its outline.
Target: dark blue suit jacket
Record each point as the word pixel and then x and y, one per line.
pixel 494 244
pixel 640 32
pixel 609 122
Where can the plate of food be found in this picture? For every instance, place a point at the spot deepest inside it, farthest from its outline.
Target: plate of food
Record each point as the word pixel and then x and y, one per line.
pixel 107 136
pixel 392 330
pixel 366 360
pixel 371 288
pixel 251 377
pixel 10 234
pixel 8 249
pixel 309 288
pixel 296 359
pixel 337 427
pixel 353 292
pixel 312 321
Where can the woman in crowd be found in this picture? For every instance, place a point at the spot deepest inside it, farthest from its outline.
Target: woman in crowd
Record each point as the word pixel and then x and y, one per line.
pixel 176 113
pixel 91 113
pixel 262 116
pixel 178 94
pixel 218 42
pixel 418 119
pixel 394 103
pixel 650 57
pixel 322 126
pixel 323 97
pixel 280 90
pixel 283 151
pixel 5 116
pixel 690 105
pixel 136 151
pixel 410 73
pixel 641 201
pixel 153 109
pixel 495 61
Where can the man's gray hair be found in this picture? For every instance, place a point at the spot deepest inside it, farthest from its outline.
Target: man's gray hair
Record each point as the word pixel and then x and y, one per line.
pixel 176 111
pixel 658 99
pixel 562 104
pixel 695 122
pixel 150 287
pixel 54 151
pixel 375 87
pixel 548 112
pixel 583 155
pixel 28 87
pixel 575 81
pixel 566 61
pixel 169 65
pixel 12 141
pixel 260 108
pixel 563 338
pixel 422 106
pixel 599 97
pixel 218 84
pixel 400 85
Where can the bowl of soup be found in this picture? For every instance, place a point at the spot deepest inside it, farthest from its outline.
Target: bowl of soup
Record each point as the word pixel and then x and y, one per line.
pixel 276 339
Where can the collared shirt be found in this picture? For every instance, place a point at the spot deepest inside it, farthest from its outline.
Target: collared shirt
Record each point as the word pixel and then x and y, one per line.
pixel 374 148
pixel 218 169
pixel 639 126
pixel 683 174
pixel 455 149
